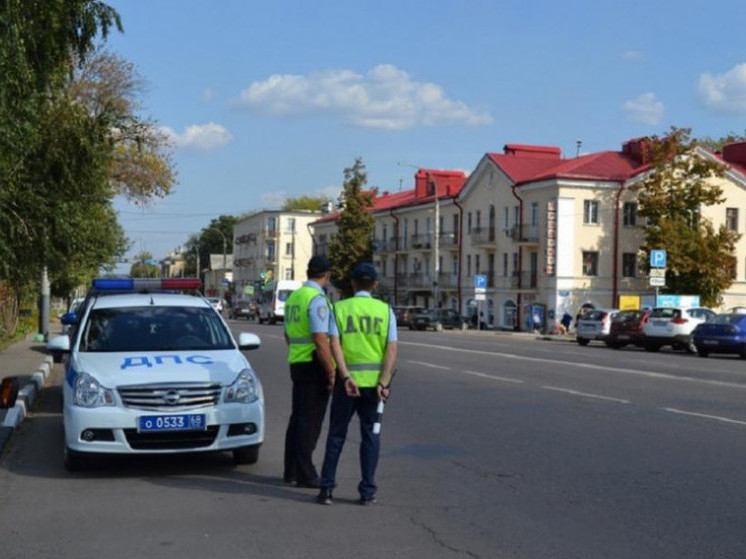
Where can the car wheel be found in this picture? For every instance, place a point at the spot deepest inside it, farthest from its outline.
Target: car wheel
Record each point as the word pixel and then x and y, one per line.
pixel 690 347
pixel 246 454
pixel 438 327
pixel 75 461
pixel 583 341
pixel 704 353
pixel 649 346
pixel 57 357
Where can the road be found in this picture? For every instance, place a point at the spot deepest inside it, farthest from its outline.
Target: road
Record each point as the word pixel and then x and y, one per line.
pixel 493 446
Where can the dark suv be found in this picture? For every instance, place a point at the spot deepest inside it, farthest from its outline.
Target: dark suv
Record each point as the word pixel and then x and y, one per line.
pixel 244 309
pixel 405 314
pixel 438 320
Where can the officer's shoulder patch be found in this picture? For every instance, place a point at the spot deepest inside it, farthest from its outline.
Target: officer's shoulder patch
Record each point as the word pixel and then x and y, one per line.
pixel 321 311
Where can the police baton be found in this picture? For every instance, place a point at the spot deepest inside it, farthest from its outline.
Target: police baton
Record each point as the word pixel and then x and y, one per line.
pixel 379 409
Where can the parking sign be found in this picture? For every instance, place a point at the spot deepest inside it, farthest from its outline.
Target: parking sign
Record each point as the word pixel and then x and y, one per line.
pixel 480 281
pixel 657 258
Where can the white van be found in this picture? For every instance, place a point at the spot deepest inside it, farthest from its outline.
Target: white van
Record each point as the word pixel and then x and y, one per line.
pixel 272 303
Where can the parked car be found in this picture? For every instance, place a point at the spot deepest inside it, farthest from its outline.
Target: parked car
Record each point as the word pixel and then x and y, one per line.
pixel 674 326
pixel 438 320
pixel 157 374
pixel 626 328
pixel 595 325
pixel 216 303
pixel 244 309
pixel 405 314
pixel 74 308
pixel 724 333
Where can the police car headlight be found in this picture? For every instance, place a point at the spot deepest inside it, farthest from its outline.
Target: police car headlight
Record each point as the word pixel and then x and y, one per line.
pixel 244 389
pixel 88 393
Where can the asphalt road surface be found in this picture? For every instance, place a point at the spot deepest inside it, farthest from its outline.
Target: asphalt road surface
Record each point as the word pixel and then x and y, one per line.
pixel 493 446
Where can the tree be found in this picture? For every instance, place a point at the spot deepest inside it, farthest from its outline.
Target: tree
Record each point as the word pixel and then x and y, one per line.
pixel 210 241
pixel 311 203
pixel 109 87
pixel 716 144
pixel 352 243
pixel 144 266
pixel 700 258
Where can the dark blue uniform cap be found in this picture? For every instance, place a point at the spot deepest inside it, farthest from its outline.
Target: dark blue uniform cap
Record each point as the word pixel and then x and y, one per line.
pixel 364 271
pixel 319 264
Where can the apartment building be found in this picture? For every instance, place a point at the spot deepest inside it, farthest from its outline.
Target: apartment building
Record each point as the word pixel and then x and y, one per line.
pixel 272 244
pixel 550 234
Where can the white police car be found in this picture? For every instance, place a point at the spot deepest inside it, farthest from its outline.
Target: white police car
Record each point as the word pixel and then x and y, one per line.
pixel 151 370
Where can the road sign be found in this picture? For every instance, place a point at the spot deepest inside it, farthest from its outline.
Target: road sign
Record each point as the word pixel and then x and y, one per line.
pixel 658 258
pixel 657 282
pixel 480 297
pixel 480 281
pixel 657 272
pixel 480 290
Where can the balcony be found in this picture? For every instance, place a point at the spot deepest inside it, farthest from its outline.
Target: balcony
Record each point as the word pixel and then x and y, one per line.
pixel 271 233
pixel 526 234
pixel 484 237
pixel 421 242
pixel 447 280
pixel 448 241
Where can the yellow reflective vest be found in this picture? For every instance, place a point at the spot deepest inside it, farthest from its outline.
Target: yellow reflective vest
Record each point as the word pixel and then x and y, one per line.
pixel 298 326
pixel 363 324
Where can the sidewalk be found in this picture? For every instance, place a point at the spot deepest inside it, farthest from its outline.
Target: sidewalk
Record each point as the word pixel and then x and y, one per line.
pixel 28 361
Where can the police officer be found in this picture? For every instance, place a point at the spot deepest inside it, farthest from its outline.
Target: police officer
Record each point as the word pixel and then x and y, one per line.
pixel 364 344
pixel 307 321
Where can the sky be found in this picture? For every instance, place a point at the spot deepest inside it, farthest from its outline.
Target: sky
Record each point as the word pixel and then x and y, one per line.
pixel 269 100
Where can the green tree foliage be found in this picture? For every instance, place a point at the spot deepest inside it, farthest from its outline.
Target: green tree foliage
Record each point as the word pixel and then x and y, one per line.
pixel 210 241
pixel 311 203
pixel 55 200
pixel 716 144
pixel 352 243
pixel 700 258
pixel 110 88
pixel 143 267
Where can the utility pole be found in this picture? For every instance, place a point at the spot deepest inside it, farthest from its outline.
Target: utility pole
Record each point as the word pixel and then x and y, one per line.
pixel 44 304
pixel 436 249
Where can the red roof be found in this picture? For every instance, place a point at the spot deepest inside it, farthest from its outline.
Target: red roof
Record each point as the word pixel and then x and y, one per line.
pixel 448 184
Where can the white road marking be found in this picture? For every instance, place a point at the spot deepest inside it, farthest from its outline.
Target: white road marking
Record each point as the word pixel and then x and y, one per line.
pixel 649 374
pixel 585 394
pixel 430 365
pixel 493 377
pixel 705 416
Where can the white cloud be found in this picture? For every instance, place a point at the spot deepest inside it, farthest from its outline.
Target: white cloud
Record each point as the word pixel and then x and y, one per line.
pixel 645 108
pixel 632 54
pixel 724 92
pixel 385 98
pixel 200 137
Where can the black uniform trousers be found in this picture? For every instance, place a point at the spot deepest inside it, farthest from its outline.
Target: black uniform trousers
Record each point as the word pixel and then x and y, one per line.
pixel 310 397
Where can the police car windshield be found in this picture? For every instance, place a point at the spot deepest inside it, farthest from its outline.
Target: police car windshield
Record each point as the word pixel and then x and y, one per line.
pixel 154 329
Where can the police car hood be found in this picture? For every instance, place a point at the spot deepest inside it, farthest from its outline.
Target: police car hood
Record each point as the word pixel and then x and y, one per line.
pixel 117 369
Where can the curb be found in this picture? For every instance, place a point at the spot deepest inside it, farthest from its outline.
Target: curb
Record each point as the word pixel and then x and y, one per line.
pixel 26 395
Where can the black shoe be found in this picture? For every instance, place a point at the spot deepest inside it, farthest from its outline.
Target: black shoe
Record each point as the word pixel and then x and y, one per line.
pixel 288 479
pixel 365 501
pixel 309 484
pixel 324 497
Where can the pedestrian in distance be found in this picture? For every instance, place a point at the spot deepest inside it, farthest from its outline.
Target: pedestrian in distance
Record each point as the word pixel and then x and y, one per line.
pixel 364 345
pixel 536 320
pixel 565 323
pixel 308 317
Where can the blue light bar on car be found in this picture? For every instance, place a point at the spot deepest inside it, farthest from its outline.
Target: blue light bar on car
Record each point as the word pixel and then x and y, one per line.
pixel 142 284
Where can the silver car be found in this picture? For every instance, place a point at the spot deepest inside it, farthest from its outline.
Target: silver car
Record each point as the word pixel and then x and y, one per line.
pixel 595 325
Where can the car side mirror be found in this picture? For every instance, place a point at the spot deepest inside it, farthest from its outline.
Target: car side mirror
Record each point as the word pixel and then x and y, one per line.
pixel 248 341
pixel 59 344
pixel 69 318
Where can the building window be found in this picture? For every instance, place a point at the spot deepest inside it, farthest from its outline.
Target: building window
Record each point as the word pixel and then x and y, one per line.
pixel 731 219
pixel 629 265
pixel 505 264
pixel 515 263
pixel 289 274
pixel 476 264
pixel 468 222
pixel 630 214
pixel 288 249
pixel 291 224
pixel 590 212
pixel 468 265
pixel 479 219
pixel 506 218
pixel 384 232
pixel 590 263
